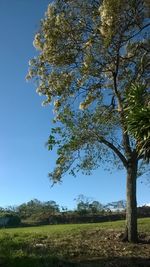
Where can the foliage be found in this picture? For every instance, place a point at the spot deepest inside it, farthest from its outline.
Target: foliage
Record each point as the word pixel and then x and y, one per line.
pixel 86 205
pixel 138 116
pixel 36 209
pixel 90 52
pixel 36 212
pixel 117 205
pixel 32 212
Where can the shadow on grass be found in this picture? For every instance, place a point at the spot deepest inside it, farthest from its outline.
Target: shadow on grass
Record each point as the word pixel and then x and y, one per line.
pixel 54 262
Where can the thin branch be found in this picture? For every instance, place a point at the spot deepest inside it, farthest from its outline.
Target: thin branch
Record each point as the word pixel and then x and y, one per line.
pixel 145 26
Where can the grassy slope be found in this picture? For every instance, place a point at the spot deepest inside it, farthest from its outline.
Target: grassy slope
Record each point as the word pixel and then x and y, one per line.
pixel 92 244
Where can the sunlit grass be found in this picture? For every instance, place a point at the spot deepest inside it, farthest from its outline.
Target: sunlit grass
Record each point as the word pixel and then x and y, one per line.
pixel 143 225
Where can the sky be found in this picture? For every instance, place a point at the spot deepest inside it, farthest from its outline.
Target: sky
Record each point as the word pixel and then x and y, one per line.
pixel 25 125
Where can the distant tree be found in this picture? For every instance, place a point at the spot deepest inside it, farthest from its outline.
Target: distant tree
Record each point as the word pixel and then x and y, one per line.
pixel 64 209
pixel 86 205
pixel 82 204
pixel 90 53
pixel 1 210
pixel 23 211
pixel 36 207
pixel 82 208
pixel 95 207
pixel 51 207
pixel 10 209
pixel 121 204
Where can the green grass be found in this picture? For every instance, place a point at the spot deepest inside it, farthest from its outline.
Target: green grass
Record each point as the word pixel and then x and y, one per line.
pixel 72 245
pixel 143 225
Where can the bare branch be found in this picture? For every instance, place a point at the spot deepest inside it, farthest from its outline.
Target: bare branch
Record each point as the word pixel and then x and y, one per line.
pixel 134 35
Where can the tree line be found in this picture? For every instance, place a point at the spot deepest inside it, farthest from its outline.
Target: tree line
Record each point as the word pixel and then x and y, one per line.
pixel 36 212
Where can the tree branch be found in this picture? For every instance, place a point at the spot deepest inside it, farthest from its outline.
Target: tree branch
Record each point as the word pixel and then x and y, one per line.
pixel 117 152
pixel 128 39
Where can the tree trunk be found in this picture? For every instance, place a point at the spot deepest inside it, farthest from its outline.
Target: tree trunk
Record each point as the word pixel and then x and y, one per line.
pixel 131 210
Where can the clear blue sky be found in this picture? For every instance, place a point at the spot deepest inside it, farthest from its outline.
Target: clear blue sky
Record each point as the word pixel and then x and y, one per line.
pixel 25 124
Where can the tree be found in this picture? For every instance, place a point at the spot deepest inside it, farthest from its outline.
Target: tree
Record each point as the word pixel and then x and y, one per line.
pixel 138 116
pixel 95 207
pixel 83 203
pixel 117 205
pixel 90 52
pixel 35 207
pixel 86 205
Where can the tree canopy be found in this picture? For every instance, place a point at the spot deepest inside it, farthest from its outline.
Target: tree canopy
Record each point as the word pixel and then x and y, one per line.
pixel 90 54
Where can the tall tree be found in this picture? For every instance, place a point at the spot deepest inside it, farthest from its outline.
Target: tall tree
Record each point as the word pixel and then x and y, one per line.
pixel 90 52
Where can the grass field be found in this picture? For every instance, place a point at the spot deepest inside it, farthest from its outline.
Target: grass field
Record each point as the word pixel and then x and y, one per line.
pixel 95 244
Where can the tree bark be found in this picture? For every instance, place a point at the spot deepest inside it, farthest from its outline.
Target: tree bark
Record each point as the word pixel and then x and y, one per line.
pixel 131 210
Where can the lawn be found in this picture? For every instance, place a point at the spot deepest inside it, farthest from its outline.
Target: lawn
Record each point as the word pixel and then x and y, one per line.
pixel 96 244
